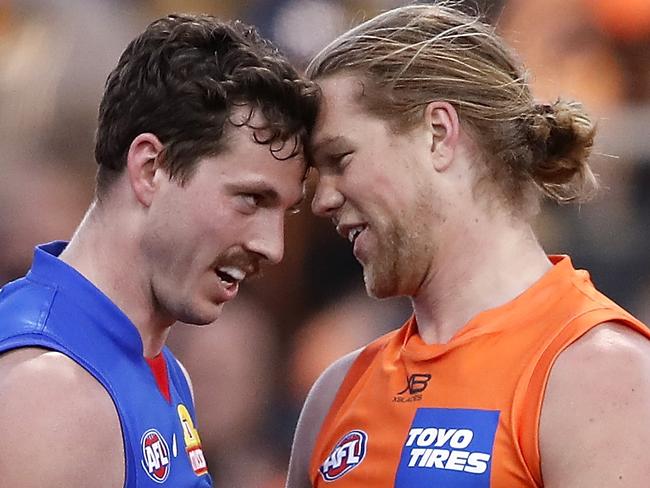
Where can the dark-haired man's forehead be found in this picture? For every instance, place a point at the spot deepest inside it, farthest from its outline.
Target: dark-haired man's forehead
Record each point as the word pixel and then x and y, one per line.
pixel 249 122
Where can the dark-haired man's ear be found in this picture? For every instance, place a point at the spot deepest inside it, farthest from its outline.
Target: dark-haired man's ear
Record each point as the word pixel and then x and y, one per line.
pixel 141 166
pixel 442 122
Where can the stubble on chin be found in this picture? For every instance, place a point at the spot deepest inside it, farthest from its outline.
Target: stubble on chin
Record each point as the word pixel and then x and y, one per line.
pixel 383 273
pixel 380 279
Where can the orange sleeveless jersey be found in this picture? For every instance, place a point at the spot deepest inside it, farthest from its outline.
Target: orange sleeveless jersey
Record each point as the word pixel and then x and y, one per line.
pixel 465 413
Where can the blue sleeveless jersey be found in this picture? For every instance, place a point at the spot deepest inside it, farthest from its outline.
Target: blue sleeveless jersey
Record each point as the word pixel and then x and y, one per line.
pixel 56 308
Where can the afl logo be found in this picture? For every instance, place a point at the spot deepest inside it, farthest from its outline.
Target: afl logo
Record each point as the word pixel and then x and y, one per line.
pixel 155 455
pixel 347 454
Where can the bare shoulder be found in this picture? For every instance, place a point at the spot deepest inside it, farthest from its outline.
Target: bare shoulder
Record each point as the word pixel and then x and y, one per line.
pixel 50 408
pixel 327 385
pixel 313 414
pixel 594 424
pixel 614 358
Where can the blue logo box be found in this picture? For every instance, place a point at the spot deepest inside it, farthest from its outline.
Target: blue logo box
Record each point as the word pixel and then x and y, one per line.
pixel 447 448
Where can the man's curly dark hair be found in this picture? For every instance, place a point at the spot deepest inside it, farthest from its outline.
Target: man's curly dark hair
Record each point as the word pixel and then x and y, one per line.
pixel 180 80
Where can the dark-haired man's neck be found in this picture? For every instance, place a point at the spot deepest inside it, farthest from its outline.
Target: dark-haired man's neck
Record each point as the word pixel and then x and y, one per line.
pixel 104 249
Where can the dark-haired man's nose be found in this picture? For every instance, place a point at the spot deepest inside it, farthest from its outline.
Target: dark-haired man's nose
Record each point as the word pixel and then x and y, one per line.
pixel 268 241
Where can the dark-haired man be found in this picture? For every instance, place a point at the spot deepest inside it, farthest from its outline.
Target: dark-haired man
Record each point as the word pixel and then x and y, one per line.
pixel 199 148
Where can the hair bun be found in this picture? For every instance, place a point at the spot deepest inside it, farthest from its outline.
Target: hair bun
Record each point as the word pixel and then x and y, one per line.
pixel 561 136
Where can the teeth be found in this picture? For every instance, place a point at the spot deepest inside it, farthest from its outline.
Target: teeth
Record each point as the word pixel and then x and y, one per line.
pixel 235 273
pixel 353 233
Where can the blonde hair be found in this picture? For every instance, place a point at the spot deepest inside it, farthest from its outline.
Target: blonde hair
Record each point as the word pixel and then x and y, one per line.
pixel 409 56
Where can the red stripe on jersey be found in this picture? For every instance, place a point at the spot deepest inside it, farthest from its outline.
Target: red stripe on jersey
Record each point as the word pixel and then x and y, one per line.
pixel 159 369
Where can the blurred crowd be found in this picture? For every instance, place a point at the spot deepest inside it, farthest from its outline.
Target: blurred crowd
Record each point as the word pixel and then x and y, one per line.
pixel 253 368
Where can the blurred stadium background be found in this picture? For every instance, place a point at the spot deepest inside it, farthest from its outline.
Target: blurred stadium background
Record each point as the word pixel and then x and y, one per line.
pixel 253 368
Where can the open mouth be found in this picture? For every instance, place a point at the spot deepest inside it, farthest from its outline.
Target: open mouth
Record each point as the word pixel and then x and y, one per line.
pixel 230 275
pixel 351 232
pixel 354 233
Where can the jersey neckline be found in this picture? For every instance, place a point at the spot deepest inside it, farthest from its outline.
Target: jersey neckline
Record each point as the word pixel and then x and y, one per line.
pixel 524 308
pixel 47 269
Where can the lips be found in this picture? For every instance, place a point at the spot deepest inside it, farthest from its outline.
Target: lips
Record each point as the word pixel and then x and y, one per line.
pixel 359 248
pixel 230 275
pixel 227 286
pixel 354 233
pixel 231 269
pixel 351 231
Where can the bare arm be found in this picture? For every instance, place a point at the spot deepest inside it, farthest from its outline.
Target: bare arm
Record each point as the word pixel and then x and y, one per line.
pixel 58 426
pixel 595 421
pixel 313 413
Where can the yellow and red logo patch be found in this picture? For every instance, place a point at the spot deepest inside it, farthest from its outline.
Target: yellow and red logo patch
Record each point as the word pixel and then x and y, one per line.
pixel 192 441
